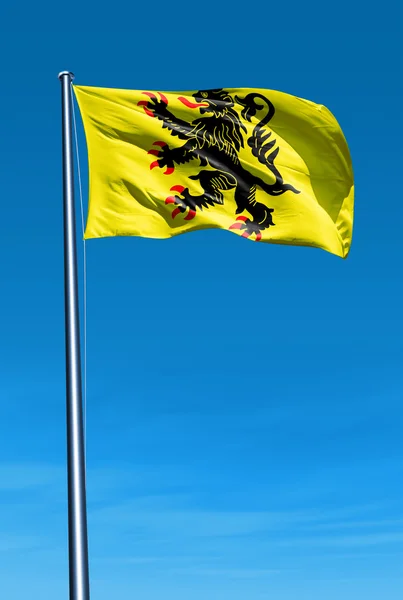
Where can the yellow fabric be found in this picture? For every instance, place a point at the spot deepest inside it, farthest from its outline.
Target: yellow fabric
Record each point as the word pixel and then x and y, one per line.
pixel 131 195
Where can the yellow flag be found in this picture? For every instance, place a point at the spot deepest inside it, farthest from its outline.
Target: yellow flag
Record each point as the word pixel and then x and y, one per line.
pixel 262 164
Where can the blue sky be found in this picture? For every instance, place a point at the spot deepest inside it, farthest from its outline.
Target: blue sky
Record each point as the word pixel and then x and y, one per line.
pixel 244 400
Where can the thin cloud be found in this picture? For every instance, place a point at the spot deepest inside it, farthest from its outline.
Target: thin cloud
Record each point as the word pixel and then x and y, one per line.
pixel 346 541
pixel 22 476
pixel 227 573
pixel 10 542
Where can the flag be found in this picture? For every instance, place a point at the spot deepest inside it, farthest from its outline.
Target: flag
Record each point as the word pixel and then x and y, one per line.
pixel 259 163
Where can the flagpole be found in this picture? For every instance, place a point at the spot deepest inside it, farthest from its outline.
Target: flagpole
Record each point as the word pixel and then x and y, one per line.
pixel 77 510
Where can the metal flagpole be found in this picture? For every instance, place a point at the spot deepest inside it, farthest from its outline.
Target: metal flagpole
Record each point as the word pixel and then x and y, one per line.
pixel 78 540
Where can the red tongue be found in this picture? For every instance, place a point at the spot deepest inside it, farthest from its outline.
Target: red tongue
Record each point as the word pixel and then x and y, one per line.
pixel 190 104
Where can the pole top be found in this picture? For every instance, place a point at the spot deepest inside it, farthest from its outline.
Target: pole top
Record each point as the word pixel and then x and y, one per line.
pixel 68 73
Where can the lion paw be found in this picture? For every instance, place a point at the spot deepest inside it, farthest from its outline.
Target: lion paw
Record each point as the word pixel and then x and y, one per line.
pixel 164 157
pixel 154 106
pixel 248 227
pixel 180 203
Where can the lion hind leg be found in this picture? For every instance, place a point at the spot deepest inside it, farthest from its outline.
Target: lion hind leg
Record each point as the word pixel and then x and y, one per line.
pixel 244 196
pixel 261 214
pixel 214 183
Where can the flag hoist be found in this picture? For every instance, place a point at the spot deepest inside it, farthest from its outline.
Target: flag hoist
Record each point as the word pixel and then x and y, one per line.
pixel 77 510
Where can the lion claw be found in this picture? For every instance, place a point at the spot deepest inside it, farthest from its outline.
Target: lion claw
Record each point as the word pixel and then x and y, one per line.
pixel 238 224
pixel 144 103
pixel 148 106
pixel 180 203
pixel 160 154
pixel 176 211
pixel 243 223
pixel 178 188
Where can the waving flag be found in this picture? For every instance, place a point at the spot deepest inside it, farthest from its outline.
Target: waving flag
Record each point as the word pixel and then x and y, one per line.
pixel 262 164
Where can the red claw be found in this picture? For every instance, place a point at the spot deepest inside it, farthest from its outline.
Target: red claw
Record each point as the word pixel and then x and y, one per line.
pixel 240 225
pixel 150 95
pixel 153 165
pixel 191 215
pixel 180 209
pixel 154 152
pixel 169 170
pixel 163 98
pixel 236 226
pixel 176 212
pixel 160 144
pixel 144 104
